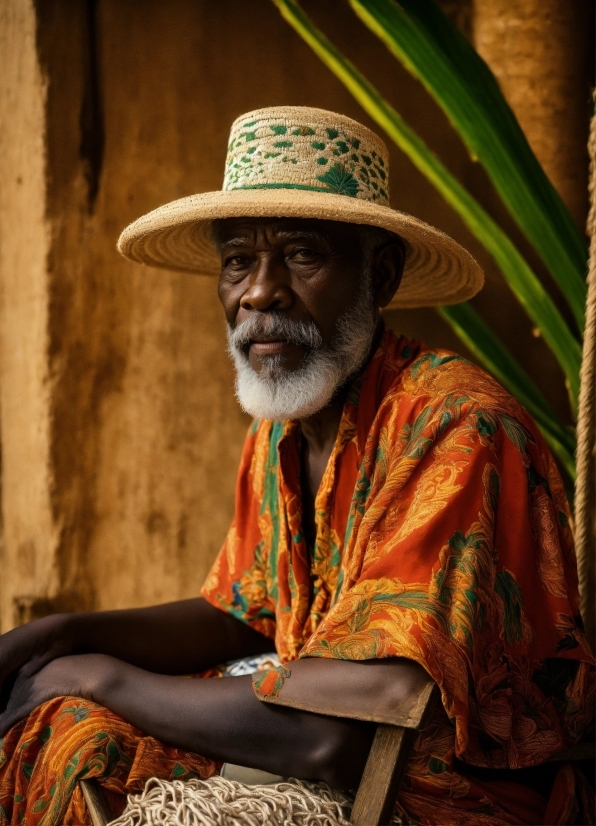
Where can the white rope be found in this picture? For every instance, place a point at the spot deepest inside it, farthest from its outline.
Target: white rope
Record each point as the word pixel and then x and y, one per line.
pixel 221 802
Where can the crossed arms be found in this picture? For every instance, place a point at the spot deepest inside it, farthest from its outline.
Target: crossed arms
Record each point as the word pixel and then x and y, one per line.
pixel 131 661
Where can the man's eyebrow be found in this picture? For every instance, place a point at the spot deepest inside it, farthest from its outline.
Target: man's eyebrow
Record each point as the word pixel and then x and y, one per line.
pixel 302 235
pixel 232 242
pixel 285 235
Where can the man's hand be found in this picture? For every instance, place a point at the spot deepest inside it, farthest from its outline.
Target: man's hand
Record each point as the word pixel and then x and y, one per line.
pixel 30 647
pixel 74 676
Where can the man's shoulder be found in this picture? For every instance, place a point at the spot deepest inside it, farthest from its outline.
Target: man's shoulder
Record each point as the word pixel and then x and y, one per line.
pixel 435 378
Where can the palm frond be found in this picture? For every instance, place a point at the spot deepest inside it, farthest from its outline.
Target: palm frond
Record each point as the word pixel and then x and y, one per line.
pixel 432 49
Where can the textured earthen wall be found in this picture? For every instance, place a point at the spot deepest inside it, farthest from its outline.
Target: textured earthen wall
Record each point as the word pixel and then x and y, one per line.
pixel 30 536
pixel 542 52
pixel 120 432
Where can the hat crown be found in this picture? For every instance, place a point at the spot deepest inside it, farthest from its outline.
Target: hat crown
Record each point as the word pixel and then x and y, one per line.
pixel 297 147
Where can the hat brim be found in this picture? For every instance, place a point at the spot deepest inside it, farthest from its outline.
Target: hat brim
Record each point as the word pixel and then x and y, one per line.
pixel 176 236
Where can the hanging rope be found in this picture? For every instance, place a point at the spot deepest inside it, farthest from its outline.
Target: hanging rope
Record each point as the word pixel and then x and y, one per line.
pixel 585 486
pixel 221 802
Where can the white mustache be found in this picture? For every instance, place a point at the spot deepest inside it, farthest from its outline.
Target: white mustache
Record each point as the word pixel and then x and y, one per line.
pixel 275 324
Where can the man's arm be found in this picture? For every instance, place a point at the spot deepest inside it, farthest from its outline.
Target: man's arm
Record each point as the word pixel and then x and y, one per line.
pixel 223 719
pixel 176 638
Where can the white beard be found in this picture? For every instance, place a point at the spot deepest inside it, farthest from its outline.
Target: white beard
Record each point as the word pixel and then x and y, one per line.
pixel 280 394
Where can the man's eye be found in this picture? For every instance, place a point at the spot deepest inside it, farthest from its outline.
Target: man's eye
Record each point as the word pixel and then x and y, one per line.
pixel 304 254
pixel 236 262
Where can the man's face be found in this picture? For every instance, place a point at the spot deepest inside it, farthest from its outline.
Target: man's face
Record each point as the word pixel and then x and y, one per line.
pixel 308 270
pixel 301 300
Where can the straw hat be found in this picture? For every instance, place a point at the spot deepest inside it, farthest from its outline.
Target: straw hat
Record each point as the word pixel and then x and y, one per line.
pixel 298 162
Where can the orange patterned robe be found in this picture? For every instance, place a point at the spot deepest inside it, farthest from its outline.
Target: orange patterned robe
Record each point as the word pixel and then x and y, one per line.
pixel 68 739
pixel 443 536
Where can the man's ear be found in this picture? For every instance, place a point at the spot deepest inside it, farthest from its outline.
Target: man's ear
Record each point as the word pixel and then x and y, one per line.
pixel 388 266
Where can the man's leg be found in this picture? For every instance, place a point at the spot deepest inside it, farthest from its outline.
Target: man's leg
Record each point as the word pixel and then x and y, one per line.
pixel 42 759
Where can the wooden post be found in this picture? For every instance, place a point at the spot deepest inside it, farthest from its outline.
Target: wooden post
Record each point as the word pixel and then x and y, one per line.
pixel 98 810
pixel 382 775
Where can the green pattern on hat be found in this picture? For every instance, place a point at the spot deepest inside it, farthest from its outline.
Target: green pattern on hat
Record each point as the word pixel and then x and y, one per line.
pixel 287 154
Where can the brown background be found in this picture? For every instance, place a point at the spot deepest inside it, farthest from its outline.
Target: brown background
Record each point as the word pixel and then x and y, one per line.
pixel 120 434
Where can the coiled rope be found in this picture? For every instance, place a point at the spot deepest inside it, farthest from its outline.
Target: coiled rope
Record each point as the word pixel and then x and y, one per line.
pixel 221 802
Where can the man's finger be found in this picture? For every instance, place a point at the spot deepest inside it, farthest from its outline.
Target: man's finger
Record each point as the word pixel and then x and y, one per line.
pixel 35 664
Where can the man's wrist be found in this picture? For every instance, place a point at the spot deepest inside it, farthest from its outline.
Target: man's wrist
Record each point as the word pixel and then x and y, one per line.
pixel 103 677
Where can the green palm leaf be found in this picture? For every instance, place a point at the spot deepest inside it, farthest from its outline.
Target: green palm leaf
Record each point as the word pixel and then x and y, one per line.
pixel 437 53
pixel 495 357
pixel 527 288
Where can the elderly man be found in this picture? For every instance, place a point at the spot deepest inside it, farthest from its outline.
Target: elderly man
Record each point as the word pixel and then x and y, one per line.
pixel 394 506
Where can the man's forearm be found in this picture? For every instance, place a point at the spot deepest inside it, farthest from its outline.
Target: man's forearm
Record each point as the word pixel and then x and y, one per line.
pixel 224 720
pixel 176 638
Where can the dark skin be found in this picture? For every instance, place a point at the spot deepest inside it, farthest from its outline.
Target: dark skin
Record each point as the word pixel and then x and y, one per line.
pixel 129 661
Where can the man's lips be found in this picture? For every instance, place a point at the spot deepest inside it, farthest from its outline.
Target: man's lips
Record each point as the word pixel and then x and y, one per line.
pixel 269 346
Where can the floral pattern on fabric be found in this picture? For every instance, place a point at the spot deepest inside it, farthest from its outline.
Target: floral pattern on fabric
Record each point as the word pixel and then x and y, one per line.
pixel 68 739
pixel 443 536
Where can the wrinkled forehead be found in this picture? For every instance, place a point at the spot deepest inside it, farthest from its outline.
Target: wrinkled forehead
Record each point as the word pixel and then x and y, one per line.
pixel 225 230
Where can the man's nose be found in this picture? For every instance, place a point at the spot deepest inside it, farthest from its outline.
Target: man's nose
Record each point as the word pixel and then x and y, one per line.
pixel 268 287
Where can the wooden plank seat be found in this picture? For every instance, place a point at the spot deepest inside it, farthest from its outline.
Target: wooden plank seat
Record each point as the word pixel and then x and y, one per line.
pixel 380 691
